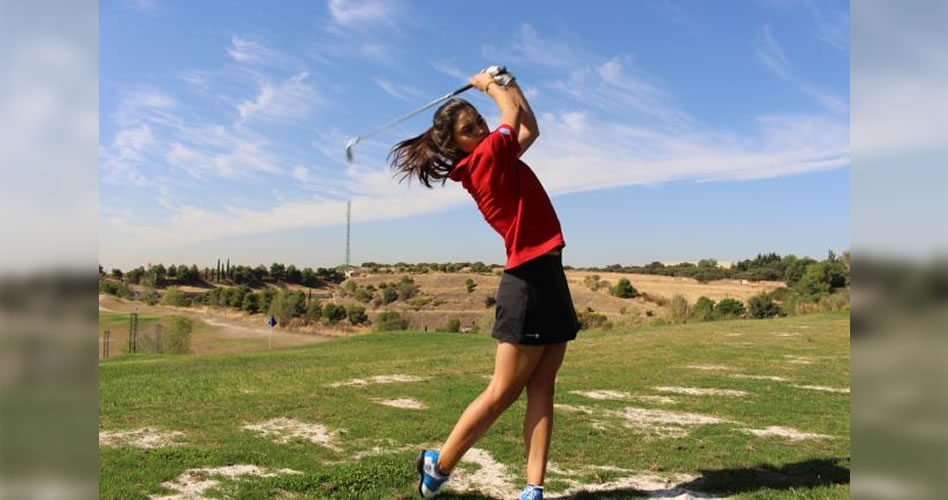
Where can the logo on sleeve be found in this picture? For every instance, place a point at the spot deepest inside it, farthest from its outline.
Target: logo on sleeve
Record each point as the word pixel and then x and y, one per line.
pixel 505 130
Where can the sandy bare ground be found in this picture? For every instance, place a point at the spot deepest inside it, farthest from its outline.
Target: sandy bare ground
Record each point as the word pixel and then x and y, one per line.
pixel 145 437
pixel 193 483
pixel 229 331
pixel 284 430
pixel 785 432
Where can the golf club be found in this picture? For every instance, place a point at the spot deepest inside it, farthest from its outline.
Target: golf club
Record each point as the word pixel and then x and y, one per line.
pixel 495 70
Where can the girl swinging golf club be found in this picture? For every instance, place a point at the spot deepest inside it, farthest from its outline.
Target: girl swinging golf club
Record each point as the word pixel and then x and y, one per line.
pixel 535 317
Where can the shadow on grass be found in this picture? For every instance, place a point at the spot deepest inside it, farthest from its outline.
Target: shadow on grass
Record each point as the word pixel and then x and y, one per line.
pixel 726 482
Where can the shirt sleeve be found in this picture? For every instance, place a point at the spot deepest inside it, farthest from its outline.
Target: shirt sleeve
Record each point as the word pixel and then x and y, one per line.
pixel 497 152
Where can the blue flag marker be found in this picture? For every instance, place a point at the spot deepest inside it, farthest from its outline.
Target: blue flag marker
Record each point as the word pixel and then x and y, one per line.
pixel 272 321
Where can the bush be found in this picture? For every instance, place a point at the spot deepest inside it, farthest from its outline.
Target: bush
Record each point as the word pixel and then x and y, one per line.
pixel 419 302
pixel 314 310
pixel 624 289
pixel 178 338
pixel 390 321
pixel 703 310
pixel 592 281
pixel 175 297
pixel 334 313
pixel 364 295
pixel 288 304
pixel 763 306
pixel 150 297
pixel 679 309
pixel 590 319
pixel 407 288
pixel 489 301
pixel 469 285
pixel 453 326
pixel 729 308
pixel 357 315
pixel 251 303
pixel 389 295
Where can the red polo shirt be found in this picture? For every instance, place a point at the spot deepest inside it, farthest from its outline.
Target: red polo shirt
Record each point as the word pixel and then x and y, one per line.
pixel 510 197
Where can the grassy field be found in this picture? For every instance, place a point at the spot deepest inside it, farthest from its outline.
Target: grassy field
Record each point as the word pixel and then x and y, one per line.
pixel 623 446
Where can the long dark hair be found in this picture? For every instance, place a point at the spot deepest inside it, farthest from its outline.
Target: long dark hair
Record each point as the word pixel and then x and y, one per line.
pixel 433 154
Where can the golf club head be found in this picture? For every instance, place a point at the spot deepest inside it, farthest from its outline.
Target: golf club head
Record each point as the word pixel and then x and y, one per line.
pixel 349 146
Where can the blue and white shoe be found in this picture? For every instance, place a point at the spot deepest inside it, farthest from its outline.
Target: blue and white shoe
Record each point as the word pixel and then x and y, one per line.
pixel 532 492
pixel 430 477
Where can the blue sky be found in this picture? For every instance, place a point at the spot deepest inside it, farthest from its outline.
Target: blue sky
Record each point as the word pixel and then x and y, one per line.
pixel 670 130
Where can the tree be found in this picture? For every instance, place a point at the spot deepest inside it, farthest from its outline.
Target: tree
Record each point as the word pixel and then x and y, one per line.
pixel 624 289
pixel 177 340
pixel 293 275
pixel 334 313
pixel 277 271
pixel 117 274
pixel 729 308
pixel 357 315
pixel 795 269
pixel 763 306
pixel 172 271
pixel 308 277
pixel 314 309
pixel 469 285
pixel 703 310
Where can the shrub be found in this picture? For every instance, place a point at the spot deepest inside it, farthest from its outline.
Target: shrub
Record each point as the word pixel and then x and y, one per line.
pixel 178 338
pixel 357 315
pixel 334 313
pixel 703 310
pixel 679 309
pixel 251 303
pixel 469 285
pixel 590 319
pixel 364 295
pixel 390 321
pixel 389 295
pixel 175 297
pixel 729 308
pixel 453 325
pixel 314 310
pixel 763 306
pixel 150 297
pixel 624 289
pixel 288 304
pixel 489 300
pixel 419 302
pixel 407 288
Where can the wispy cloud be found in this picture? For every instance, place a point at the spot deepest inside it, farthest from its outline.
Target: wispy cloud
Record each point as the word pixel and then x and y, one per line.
pixel 528 47
pixel 289 100
pixel 246 51
pixel 402 92
pixel 770 53
pixel 772 56
pixel 350 12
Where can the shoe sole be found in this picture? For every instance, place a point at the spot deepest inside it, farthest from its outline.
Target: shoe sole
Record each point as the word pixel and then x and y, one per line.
pixel 421 472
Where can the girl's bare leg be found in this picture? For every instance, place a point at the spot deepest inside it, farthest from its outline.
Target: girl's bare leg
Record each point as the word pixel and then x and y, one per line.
pixel 512 368
pixel 538 421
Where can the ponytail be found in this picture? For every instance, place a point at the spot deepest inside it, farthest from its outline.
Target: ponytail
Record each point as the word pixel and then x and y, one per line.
pixel 433 154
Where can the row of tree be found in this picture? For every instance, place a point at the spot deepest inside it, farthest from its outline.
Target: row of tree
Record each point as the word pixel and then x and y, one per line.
pixel 157 275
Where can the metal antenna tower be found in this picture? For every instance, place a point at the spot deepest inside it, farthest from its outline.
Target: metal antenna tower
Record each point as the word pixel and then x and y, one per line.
pixel 348 223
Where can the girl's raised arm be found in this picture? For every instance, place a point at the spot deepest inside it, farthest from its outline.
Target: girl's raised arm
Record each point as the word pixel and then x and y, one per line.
pixel 505 99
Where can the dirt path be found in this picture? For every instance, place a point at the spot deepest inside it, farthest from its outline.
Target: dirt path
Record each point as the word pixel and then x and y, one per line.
pixel 229 334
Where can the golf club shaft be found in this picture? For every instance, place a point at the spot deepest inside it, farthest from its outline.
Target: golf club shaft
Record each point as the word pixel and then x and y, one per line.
pixel 415 112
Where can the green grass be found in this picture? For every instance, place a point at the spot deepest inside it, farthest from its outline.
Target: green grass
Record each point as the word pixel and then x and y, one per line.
pixel 211 397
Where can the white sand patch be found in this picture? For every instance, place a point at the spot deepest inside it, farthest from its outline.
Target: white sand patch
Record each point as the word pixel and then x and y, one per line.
pixel 788 334
pixel 842 390
pixel 697 391
pixel 661 423
pixel 192 484
pixel 800 362
pixel 733 334
pixel 710 367
pixel 773 378
pixel 574 409
pixel 787 432
pixel 491 479
pixel 284 430
pixel 145 437
pixel 624 396
pixel 410 404
pixel 380 379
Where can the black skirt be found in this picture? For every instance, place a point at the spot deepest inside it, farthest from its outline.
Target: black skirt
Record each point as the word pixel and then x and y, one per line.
pixel 534 305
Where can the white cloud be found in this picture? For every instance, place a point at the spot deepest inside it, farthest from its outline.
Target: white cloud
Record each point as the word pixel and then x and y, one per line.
pixel 300 173
pixel 349 12
pixel 290 100
pixel 402 92
pixel 252 52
